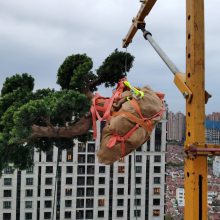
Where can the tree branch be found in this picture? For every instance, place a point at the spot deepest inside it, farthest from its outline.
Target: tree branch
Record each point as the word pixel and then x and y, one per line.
pixel 79 128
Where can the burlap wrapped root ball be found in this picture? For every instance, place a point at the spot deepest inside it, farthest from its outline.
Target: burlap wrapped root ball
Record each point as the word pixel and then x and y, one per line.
pixel 150 104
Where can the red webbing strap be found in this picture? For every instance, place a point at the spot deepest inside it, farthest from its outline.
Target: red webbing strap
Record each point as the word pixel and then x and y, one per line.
pixel 115 137
pixel 107 106
pixel 134 119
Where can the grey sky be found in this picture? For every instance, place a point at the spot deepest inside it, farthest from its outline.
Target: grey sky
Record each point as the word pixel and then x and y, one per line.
pixel 36 36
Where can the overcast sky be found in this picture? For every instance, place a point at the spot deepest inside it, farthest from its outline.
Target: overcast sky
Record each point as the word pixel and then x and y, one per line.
pixel 37 35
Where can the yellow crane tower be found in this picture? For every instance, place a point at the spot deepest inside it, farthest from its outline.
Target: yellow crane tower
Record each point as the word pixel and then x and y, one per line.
pixel 192 85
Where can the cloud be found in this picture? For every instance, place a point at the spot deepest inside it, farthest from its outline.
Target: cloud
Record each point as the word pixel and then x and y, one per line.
pixel 36 36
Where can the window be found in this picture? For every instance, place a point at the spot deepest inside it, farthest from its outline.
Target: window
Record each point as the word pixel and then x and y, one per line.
pixel 81 159
pixel 157 158
pixel 138 180
pixel 121 160
pixel 80 181
pixel 158 132
pixel 120 202
pixel 49 156
pixel 48 192
pixel 7 193
pixel 137 202
pixel 29 192
pixel 69 169
pixel 29 181
pixel 157 148
pixel 101 191
pixel 91 159
pixel 69 180
pixel 120 213
pixel 138 158
pixel 90 192
pixel 68 192
pixel 68 203
pixel 81 147
pixel 90 169
pixel 101 202
pixel 156 169
pixel 67 214
pixel 8 170
pixel 29 170
pixel 120 191
pixel 6 205
pixel 91 147
pixel 138 191
pixel 28 204
pixel 47 204
pixel 79 214
pixel 101 214
pixel 28 216
pixel 138 169
pixel 47 215
pixel 80 170
pixel 69 155
pixel 148 145
pixel 156 212
pixel 6 216
pixel 139 149
pixel 101 180
pixel 80 203
pixel 89 203
pixel 49 169
pixel 157 180
pixel 121 169
pixel 121 180
pixel 89 214
pixel 90 180
pixel 137 213
pixel 156 191
pixel 80 192
pixel 7 181
pixel 48 181
pixel 156 201
pixel 101 169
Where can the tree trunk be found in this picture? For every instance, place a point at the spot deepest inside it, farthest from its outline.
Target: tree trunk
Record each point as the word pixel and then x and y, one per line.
pixel 79 128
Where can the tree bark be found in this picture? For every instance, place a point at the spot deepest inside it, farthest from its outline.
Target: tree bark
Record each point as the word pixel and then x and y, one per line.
pixel 79 128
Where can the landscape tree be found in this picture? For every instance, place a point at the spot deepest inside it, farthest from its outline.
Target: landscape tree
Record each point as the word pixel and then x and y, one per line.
pixel 43 118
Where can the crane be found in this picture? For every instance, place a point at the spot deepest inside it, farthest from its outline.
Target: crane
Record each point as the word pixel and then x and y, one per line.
pixel 191 85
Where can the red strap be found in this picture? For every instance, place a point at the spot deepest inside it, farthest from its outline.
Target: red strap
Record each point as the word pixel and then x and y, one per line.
pixel 115 137
pixel 107 106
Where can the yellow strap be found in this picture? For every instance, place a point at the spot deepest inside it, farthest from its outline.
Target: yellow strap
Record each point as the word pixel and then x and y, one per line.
pixel 136 91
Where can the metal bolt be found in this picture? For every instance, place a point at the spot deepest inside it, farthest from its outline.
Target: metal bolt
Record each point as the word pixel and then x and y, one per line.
pixel 186 95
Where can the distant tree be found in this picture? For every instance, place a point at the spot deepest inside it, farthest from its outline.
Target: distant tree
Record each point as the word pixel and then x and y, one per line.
pixel 43 118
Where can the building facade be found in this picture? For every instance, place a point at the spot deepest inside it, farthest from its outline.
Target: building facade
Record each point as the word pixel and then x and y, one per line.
pixel 78 187
pixel 176 126
pixel 212 132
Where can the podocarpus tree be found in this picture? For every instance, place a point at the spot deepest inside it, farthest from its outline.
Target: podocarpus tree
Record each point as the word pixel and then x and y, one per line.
pixel 44 118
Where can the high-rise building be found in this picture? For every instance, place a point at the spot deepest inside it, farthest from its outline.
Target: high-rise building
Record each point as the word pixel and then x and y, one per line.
pixel 212 131
pixel 132 188
pixel 215 116
pixel 176 126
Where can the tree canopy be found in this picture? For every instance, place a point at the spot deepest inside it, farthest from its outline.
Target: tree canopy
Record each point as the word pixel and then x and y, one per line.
pixel 40 119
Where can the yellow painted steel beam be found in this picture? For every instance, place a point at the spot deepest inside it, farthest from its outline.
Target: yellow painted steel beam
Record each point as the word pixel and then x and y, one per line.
pixel 195 169
pixel 142 13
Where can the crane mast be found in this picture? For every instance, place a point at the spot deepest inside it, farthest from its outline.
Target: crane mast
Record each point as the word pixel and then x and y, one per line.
pixel 192 85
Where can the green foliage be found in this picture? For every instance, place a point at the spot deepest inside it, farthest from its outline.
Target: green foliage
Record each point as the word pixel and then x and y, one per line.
pixel 115 67
pixel 24 82
pixel 75 72
pixel 21 107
